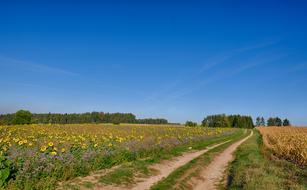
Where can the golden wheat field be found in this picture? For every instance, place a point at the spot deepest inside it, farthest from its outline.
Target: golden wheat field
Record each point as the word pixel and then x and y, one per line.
pixel 287 142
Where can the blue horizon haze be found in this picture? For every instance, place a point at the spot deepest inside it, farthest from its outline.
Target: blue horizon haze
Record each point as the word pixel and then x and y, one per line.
pixel 179 60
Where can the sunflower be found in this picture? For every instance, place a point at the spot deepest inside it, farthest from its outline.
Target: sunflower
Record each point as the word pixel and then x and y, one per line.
pixel 43 148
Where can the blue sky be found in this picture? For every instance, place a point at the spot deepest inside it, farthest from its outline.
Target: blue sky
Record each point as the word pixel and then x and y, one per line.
pixel 174 59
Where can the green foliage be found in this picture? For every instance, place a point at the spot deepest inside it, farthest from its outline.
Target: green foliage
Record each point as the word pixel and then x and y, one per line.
pixel 5 170
pixel 222 120
pixel 190 124
pixel 260 121
pixel 22 117
pixel 286 122
pixel 241 121
pixel 274 121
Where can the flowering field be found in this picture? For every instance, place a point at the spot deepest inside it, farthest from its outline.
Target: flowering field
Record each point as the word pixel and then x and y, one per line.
pixel 287 142
pixel 38 156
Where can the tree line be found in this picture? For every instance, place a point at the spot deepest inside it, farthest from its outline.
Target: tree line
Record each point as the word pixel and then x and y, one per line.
pixel 190 124
pixel 272 121
pixel 222 120
pixel 26 117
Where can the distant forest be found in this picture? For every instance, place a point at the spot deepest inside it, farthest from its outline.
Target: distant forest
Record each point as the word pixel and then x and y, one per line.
pixel 74 118
pixel 240 121
pixel 222 120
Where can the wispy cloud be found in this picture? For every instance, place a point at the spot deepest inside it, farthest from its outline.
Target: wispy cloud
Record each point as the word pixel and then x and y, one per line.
pixel 221 58
pixel 26 65
pixel 176 89
pixel 226 73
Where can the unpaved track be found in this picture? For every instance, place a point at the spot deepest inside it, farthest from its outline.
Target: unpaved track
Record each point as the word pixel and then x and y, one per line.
pixel 165 168
pixel 212 175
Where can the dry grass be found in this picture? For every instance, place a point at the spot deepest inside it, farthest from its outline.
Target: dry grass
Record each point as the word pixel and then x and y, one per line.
pixel 287 142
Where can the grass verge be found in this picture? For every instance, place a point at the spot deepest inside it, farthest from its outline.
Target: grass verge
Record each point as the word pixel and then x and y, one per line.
pixel 256 168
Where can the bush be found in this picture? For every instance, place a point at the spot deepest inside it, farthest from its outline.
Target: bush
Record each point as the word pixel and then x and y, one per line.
pixel 22 117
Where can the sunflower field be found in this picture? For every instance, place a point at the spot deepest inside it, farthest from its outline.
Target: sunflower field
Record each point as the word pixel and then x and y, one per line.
pixel 38 156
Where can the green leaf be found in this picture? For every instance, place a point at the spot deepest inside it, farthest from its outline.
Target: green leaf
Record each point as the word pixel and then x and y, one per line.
pixel 4 174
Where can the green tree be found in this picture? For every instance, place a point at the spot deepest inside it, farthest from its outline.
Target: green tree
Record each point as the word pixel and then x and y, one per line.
pixel 241 121
pixel 278 121
pixel 262 121
pixel 190 124
pixel 271 121
pixel 220 120
pixel 258 121
pixel 286 122
pixel 71 118
pixel 22 117
pixel 274 121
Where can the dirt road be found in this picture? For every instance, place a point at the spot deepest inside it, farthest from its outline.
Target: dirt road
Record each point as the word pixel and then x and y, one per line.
pixel 162 169
pixel 212 175
pixel 167 167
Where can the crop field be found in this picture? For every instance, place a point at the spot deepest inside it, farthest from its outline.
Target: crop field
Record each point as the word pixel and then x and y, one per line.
pixel 257 167
pixel 287 142
pixel 38 156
